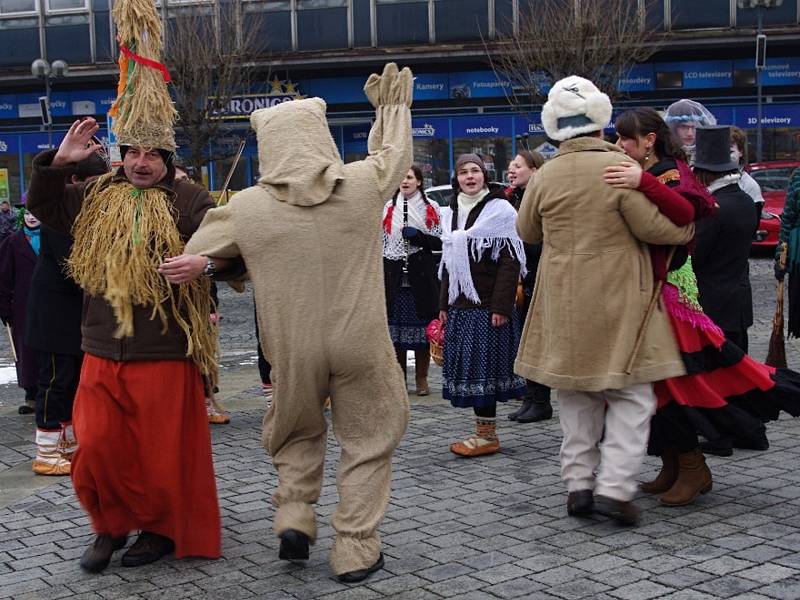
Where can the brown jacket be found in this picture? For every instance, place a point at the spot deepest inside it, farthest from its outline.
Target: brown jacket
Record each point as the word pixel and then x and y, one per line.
pixel 495 281
pixel 595 280
pixel 57 204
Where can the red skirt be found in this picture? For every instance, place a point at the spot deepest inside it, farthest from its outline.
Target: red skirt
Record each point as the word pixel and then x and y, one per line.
pixel 725 394
pixel 144 453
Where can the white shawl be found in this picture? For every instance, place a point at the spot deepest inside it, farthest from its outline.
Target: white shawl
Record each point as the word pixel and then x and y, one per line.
pixel 494 228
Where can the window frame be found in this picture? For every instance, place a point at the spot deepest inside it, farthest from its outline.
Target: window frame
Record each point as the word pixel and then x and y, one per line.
pixel 63 11
pixel 16 15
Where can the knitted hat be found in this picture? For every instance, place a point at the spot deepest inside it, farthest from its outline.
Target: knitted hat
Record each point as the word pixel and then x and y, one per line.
pixel 469 158
pixel 575 106
pixel 143 112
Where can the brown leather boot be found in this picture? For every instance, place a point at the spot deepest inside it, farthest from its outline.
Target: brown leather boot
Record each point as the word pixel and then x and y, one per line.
pixel 694 478
pixel 667 477
pixel 422 360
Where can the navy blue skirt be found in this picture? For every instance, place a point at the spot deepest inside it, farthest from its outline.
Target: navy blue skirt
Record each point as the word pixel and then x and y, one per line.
pixel 405 327
pixel 479 359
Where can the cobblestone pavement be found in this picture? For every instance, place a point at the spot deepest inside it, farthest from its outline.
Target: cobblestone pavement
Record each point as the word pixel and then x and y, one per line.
pixel 494 527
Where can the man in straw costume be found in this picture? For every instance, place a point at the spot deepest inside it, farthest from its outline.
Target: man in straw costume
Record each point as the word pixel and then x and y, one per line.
pixel 309 233
pixel 144 455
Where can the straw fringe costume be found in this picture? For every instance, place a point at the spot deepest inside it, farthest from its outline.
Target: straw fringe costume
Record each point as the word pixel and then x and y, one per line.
pixel 144 456
pixel 309 233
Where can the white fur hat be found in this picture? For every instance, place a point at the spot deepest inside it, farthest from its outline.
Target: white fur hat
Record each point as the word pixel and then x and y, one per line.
pixel 575 106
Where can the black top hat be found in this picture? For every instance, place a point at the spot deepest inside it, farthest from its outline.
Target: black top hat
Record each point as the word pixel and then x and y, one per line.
pixel 713 149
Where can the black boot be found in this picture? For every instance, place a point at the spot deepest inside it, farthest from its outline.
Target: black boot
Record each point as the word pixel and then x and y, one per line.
pixel 719 447
pixel 524 405
pixel 294 545
pixel 540 408
pixel 362 574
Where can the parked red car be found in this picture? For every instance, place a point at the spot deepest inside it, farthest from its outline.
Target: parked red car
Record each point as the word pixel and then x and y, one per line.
pixel 773 177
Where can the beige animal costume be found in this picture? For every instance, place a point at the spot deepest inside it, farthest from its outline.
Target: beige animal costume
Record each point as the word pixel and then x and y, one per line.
pixel 310 235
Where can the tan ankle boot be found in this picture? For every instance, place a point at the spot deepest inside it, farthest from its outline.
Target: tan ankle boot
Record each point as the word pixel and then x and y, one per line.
pixel 422 360
pixel 49 459
pixel 666 478
pixel 485 441
pixel 694 478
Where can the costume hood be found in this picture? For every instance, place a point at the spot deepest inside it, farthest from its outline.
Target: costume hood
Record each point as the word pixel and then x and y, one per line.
pixel 298 161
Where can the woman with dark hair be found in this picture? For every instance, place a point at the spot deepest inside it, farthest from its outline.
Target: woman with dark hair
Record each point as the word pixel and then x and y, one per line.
pixel 725 392
pixel 482 257
pixel 411 233
pixel 536 405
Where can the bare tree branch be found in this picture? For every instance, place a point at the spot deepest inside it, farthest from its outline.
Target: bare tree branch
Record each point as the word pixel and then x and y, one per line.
pixel 210 56
pixel 596 39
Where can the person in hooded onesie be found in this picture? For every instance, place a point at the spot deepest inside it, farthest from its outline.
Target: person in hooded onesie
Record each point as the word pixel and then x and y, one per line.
pixel 310 235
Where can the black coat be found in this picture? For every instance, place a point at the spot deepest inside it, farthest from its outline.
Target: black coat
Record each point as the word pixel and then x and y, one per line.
pixel 720 260
pixel 423 277
pixel 17 261
pixel 55 302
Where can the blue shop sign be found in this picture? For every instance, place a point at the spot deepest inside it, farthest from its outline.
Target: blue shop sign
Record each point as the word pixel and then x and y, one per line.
pixel 478 84
pixel 430 129
pixel 482 127
pixel 723 114
pixel 33 143
pixel 774 116
pixel 778 71
pixel 640 78
pixel 335 90
pixel 431 86
pixel 93 102
pixel 698 75
pixel 8 144
pixel 8 107
pixel 530 124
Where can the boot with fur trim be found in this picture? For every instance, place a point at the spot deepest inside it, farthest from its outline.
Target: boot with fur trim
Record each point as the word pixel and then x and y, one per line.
pixel 49 459
pixel 483 442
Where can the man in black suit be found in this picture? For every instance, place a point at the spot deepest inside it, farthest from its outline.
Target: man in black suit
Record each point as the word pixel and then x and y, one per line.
pixel 54 332
pixel 720 258
pixel 721 255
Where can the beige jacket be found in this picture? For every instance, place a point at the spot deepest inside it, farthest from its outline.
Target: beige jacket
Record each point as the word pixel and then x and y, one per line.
pixel 310 233
pixel 595 279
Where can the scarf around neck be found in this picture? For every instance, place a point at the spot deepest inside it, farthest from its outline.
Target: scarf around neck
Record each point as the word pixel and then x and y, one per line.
pixel 494 229
pixel 723 181
pixel 466 203
pixel 422 215
pixel 34 239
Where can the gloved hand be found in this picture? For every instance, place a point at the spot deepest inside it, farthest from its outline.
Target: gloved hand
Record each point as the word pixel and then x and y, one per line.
pixel 410 232
pixel 779 273
pixel 391 87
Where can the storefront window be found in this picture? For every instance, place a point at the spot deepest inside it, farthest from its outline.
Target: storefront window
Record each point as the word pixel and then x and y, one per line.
pixel 458 20
pixel 10 183
pixel 432 150
pixel 11 7
pixel 323 26
pixel 777 144
pixel 785 14
pixel 402 22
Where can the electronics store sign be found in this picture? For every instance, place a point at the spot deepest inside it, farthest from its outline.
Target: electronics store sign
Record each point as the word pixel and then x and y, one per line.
pixel 695 75
pixel 240 106
pixel 8 107
pixel 488 127
pixel 431 129
pixel 477 84
pixel 8 144
pixel 773 117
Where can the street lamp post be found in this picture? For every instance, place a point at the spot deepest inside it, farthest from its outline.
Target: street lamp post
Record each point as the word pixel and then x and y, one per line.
pixel 761 59
pixel 47 71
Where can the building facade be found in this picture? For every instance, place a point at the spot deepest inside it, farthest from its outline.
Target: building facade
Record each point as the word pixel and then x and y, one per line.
pixel 327 48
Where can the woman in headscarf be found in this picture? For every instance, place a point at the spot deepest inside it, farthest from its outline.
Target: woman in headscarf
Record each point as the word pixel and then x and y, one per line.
pixel 683 118
pixel 411 233
pixel 482 258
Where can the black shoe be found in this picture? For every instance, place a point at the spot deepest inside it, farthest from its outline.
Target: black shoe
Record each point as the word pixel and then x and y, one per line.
pixel 294 545
pixel 623 513
pixel 580 503
pixel 26 409
pixel 97 556
pixel 537 411
pixel 753 442
pixel 362 574
pixel 525 405
pixel 147 548
pixel 720 447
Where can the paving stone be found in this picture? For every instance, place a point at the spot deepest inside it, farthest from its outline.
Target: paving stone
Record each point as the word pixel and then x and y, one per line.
pixel 641 590
pixel 768 573
pixel 727 586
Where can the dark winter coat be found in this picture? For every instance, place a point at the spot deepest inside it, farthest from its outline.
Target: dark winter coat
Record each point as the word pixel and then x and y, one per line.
pixel 8 224
pixel 423 277
pixel 720 259
pixel 17 261
pixel 533 252
pixel 57 204
pixel 55 301
pixel 495 281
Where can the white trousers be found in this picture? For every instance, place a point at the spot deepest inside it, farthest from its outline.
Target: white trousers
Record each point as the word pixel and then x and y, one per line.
pixel 621 419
